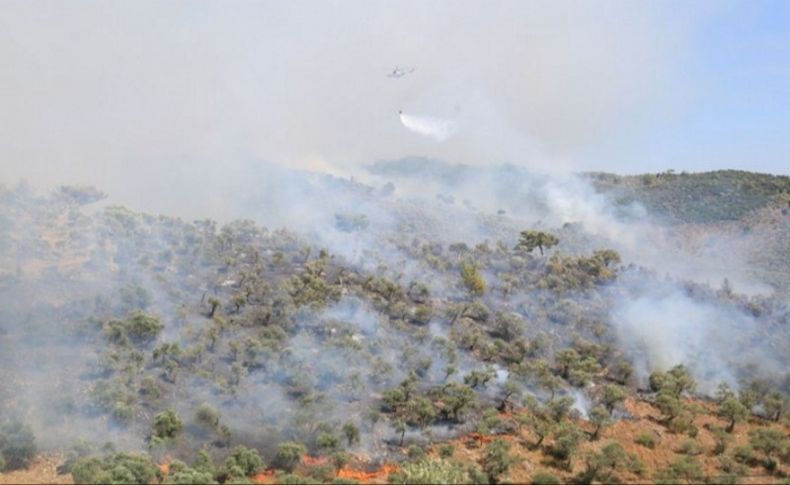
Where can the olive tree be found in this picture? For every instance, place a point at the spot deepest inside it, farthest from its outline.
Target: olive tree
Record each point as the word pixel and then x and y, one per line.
pixel 497 460
pixel 289 454
pixel 167 424
pixel 529 240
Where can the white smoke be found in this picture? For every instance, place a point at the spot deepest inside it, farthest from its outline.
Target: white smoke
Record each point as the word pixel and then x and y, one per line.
pixel 581 403
pixel 437 128
pixel 663 327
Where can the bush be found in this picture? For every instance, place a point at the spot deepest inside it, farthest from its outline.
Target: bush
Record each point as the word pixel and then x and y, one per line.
pixel 17 445
pixel 138 327
pixel 476 475
pixel 543 478
pixel 602 465
pixel 327 441
pixel 340 459
pixel 566 439
pixel 472 279
pixel 351 432
pixel 150 388
pixel 204 463
pixel 648 440
pixel 288 455
pixel 322 473
pixel 690 447
pixel 181 474
pixel 207 416
pixel 429 471
pixel 497 460
pixel 244 460
pixel 743 454
pixel 415 452
pixel 770 442
pixel 685 468
pixel 122 413
pixel 446 451
pixel 118 468
pixel 167 424
pixel 289 479
pixel 144 327
pixel 722 438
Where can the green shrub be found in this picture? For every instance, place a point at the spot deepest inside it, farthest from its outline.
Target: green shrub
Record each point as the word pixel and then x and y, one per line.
pixel 446 451
pixel 139 327
pixel 566 440
pixel 415 452
pixel 204 463
pixel 648 440
pixel 722 438
pixel 143 327
pixel 429 471
pixel 476 475
pixel 118 468
pixel 685 468
pixel 743 454
pixel 497 460
pixel 181 474
pixel 472 279
pixel 543 478
pixel 244 460
pixel 351 433
pixel 207 416
pixel 289 479
pixel 288 455
pixel 167 424
pixel 150 388
pixel 17 445
pixel 322 473
pixel 122 413
pixel 690 447
pixel 340 459
pixel 327 441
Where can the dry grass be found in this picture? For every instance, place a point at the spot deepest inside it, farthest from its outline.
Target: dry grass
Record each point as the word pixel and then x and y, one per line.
pixel 44 469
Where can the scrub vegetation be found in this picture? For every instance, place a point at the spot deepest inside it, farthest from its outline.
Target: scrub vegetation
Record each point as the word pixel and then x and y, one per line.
pixel 144 348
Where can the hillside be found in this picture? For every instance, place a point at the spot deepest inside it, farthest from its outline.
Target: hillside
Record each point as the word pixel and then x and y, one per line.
pixel 697 198
pixel 388 324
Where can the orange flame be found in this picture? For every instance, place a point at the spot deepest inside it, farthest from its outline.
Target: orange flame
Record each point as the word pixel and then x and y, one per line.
pixel 164 467
pixel 265 477
pixel 367 477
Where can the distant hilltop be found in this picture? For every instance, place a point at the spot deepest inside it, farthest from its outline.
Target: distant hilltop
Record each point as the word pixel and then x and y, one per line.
pixel 705 197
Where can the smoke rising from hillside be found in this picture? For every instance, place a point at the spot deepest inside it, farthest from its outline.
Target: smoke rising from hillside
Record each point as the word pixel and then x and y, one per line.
pixel 330 278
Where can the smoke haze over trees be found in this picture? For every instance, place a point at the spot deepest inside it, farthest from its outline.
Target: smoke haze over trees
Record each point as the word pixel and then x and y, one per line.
pixel 225 259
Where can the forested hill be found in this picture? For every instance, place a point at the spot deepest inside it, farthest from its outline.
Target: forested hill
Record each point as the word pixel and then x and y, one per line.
pixel 723 195
pixel 450 324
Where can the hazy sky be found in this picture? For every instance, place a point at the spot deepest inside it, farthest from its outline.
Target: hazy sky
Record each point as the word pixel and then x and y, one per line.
pixel 118 93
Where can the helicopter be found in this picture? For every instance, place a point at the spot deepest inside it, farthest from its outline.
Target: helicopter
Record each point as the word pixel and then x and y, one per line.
pixel 399 72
